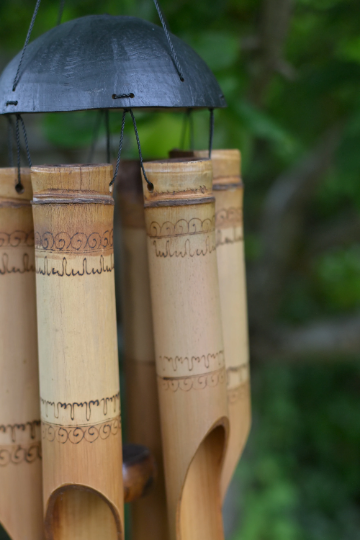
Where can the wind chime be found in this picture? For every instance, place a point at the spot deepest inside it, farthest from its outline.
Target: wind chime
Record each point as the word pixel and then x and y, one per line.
pixel 183 299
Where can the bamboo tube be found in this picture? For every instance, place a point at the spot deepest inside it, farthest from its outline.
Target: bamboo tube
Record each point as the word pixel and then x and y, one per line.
pixel 180 223
pixel 20 432
pixel 78 357
pixel 149 515
pixel 228 191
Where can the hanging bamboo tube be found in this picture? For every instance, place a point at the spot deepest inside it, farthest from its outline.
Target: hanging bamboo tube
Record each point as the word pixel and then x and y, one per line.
pixel 228 191
pixel 148 515
pixel 180 223
pixel 78 357
pixel 20 432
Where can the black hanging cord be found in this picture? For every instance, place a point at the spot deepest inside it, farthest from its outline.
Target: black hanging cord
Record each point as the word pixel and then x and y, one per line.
pixel 211 131
pixel 19 187
pixel 19 119
pixel 149 184
pixel 171 46
pixel 61 11
pixel 107 126
pixel 120 147
pixel 11 131
pixel 16 80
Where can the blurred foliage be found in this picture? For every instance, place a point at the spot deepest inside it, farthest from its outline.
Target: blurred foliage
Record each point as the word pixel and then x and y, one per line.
pixel 301 474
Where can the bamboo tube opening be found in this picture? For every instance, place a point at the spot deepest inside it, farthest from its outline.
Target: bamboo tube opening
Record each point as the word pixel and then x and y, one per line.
pixel 78 512
pixel 201 484
pixel 180 223
pixel 228 191
pixel 78 355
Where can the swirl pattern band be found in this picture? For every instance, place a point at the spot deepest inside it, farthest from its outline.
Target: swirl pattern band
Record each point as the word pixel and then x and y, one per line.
pixel 16 238
pixel 78 434
pixel 193 382
pixel 78 242
pixel 182 227
pixel 18 453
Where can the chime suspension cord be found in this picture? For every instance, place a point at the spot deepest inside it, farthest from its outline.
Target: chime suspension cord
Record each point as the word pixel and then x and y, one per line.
pixel 150 185
pixel 168 37
pixel 17 76
pixel 211 131
pixel 61 11
pixel 19 187
pixel 120 147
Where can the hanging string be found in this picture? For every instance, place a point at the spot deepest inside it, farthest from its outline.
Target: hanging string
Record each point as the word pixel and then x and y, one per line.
pixel 171 46
pixel 211 131
pixel 149 184
pixel 16 80
pixel 95 136
pixel 10 140
pixel 120 147
pixel 19 187
pixel 61 11
pixel 19 119
pixel 107 126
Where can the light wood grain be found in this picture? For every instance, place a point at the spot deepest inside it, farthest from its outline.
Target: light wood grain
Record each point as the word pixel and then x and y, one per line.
pixel 20 440
pixel 180 223
pixel 148 515
pixel 79 379
pixel 228 191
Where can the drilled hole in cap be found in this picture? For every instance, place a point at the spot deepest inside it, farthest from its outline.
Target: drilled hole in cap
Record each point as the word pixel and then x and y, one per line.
pixel 19 188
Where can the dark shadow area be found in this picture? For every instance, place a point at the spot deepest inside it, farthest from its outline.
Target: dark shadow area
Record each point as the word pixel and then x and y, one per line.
pixel 3 534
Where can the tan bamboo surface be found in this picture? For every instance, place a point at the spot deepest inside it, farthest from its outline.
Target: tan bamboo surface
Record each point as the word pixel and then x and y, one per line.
pixel 148 515
pixel 78 357
pixel 20 432
pixel 228 191
pixel 180 224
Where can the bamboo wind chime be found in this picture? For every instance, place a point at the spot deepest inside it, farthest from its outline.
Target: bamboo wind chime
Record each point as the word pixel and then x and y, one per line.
pixel 183 288
pixel 228 191
pixel 79 379
pixel 148 515
pixel 20 431
pixel 180 226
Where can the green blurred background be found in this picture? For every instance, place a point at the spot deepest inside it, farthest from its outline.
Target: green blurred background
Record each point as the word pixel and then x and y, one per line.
pixel 290 70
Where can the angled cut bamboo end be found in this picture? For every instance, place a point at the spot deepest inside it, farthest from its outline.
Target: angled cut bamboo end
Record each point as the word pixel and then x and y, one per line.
pixel 190 360
pixel 20 430
pixel 78 359
pixel 228 191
